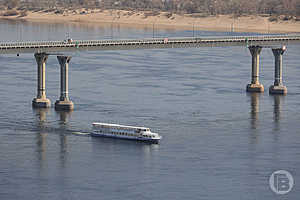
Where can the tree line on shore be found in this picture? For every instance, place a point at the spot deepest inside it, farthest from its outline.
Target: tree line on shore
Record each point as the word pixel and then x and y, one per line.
pixel 208 7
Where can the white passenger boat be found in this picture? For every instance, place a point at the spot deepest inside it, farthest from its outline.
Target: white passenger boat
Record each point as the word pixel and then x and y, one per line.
pixel 124 132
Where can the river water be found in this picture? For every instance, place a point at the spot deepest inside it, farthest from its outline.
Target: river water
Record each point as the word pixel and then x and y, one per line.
pixel 218 141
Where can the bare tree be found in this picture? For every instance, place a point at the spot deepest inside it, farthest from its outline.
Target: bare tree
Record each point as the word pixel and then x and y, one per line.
pixel 297 8
pixel 214 7
pixel 11 3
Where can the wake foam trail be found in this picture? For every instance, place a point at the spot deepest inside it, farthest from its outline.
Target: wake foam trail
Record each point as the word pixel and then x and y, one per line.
pixel 81 133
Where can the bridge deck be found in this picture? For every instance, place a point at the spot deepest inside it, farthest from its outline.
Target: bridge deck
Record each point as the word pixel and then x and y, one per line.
pixel 94 45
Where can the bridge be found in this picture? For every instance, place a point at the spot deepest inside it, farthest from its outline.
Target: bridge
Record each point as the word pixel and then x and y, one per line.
pixel 98 45
pixel 42 49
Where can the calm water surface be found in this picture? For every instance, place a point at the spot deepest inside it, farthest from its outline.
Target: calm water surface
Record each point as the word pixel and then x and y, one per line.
pixel 218 142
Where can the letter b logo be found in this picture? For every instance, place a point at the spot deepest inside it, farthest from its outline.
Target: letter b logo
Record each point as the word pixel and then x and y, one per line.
pixel 281 182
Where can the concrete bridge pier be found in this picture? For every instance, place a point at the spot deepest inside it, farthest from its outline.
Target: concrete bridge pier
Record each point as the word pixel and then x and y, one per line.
pixel 64 102
pixel 278 87
pixel 255 86
pixel 41 100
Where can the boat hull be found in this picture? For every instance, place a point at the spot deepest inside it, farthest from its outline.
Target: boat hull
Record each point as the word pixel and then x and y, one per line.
pixel 141 139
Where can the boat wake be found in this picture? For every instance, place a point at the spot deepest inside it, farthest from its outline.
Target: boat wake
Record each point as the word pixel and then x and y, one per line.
pixel 81 133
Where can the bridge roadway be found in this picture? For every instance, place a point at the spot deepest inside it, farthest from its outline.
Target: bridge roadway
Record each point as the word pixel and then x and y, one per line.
pixel 192 42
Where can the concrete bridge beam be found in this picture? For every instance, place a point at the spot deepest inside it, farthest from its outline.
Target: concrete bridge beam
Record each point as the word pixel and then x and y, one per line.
pixel 64 102
pixel 278 87
pixel 255 86
pixel 41 100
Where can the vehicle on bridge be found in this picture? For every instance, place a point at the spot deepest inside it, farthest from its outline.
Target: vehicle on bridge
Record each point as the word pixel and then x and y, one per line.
pixel 68 40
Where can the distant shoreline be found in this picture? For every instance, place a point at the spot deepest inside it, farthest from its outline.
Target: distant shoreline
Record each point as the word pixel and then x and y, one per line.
pixel 226 23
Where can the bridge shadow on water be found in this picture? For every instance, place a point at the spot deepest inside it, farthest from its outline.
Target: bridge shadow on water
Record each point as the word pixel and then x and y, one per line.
pixel 43 129
pixel 255 109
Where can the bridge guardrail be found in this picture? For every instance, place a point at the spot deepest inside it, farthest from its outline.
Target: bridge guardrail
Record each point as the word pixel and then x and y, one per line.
pixel 83 43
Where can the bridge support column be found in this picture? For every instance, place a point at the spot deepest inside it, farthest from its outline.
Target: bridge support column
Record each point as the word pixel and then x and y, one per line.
pixel 278 87
pixel 41 100
pixel 255 86
pixel 64 102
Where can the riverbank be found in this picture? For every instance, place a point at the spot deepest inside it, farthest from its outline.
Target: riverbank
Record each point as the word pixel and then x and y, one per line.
pixel 165 20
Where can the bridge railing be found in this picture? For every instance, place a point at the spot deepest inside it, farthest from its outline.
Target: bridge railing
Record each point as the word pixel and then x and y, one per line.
pixel 216 39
